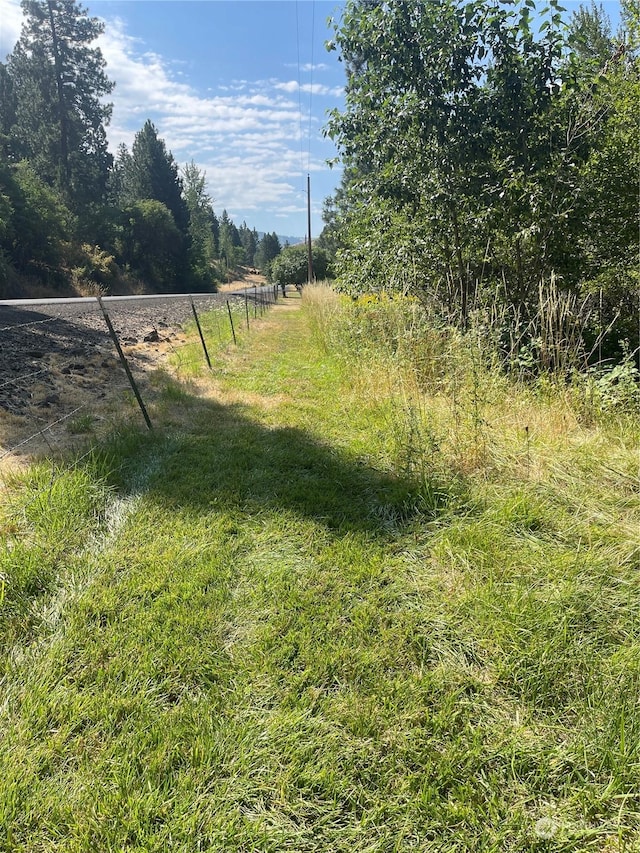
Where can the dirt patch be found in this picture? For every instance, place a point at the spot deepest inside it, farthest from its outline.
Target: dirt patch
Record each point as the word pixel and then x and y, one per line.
pixel 62 384
pixel 247 280
pixel 61 381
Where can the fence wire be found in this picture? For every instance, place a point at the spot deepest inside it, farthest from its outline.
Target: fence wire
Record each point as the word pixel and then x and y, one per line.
pixel 81 335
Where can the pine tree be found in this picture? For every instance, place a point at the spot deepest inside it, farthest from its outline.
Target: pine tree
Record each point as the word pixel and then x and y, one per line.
pixel 202 250
pixel 268 249
pixel 248 239
pixel 7 109
pixel 59 85
pixel 150 172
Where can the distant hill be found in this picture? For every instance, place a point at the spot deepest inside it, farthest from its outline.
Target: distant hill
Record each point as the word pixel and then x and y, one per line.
pixel 292 241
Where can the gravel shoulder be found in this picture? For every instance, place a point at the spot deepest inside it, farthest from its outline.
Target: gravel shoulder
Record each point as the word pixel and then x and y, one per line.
pixel 61 380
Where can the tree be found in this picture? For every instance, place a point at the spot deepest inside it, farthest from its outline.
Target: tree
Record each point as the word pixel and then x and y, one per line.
pixel 606 219
pixel 150 172
pixel 291 265
pixel 231 251
pixel 591 36
pixel 35 222
pixel 450 128
pixel 7 109
pixel 249 242
pixel 202 249
pixel 268 249
pixel 151 244
pixel 59 86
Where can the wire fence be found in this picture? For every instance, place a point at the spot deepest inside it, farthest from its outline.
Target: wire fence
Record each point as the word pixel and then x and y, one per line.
pixel 92 360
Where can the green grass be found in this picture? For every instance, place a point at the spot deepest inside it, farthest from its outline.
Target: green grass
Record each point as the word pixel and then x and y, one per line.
pixel 323 613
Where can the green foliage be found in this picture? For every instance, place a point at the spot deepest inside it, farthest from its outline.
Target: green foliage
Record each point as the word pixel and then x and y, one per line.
pixel 59 86
pixel 202 244
pixel 7 109
pixel 268 249
pixel 61 191
pixel 482 150
pixel 291 266
pixel 230 245
pixel 35 222
pixel 151 243
pixel 150 172
pixel 94 271
pixel 249 241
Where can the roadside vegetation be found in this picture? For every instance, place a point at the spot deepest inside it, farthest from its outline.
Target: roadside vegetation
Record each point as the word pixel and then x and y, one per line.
pixel 74 219
pixel 367 590
pixel 490 150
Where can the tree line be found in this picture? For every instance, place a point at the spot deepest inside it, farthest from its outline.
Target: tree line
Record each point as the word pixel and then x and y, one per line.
pixel 490 147
pixel 71 212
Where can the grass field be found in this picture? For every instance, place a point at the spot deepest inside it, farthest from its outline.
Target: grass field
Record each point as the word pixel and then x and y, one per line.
pixel 341 601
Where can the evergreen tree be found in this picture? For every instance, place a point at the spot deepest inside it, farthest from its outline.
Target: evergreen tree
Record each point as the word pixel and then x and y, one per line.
pixel 202 249
pixel 150 172
pixel 59 85
pixel 268 249
pixel 230 244
pixel 248 239
pixel 7 109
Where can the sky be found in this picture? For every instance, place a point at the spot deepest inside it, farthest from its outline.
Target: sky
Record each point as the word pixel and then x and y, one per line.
pixel 241 87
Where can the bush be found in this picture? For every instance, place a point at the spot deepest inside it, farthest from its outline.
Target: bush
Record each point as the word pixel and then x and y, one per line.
pixel 291 265
pixel 94 271
pixel 151 244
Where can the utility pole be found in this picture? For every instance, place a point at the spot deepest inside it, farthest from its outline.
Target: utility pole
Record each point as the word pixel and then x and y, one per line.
pixel 309 255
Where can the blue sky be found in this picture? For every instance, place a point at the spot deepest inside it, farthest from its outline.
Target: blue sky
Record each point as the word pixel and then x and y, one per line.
pixel 242 87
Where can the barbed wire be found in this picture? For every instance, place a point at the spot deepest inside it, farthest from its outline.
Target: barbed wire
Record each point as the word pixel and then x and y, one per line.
pixel 215 305
pixel 30 323
pixel 20 378
pixel 41 431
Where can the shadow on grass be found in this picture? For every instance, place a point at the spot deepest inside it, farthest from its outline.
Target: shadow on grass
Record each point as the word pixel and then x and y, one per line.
pixel 231 463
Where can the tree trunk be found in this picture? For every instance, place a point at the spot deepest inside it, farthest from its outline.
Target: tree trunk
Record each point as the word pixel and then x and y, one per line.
pixel 64 125
pixel 462 276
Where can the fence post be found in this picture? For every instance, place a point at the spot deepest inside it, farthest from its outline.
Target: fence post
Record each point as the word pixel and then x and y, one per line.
pixel 125 364
pixel 233 331
pixel 246 308
pixel 197 319
pixel 255 301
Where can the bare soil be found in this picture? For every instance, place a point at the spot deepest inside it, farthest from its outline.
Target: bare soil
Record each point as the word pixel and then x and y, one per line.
pixel 61 381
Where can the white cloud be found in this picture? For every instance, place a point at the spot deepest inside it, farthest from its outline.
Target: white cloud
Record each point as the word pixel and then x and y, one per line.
pixel 308 66
pixel 313 88
pixel 245 134
pixel 319 66
pixel 10 25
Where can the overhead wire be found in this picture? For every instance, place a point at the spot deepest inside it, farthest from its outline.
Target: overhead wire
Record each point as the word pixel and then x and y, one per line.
pixel 313 26
pixel 305 190
pixel 300 133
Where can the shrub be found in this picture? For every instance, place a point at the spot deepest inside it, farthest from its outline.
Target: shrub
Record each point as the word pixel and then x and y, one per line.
pixel 291 265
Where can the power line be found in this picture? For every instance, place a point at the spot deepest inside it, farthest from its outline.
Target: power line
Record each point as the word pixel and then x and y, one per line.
pixel 300 87
pixel 313 26
pixel 299 92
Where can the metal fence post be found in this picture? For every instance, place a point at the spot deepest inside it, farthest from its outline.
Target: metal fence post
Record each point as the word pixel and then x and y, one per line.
pixel 125 364
pixel 233 331
pixel 197 319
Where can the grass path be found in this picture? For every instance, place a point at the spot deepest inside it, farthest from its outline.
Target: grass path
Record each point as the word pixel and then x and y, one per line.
pixel 280 650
